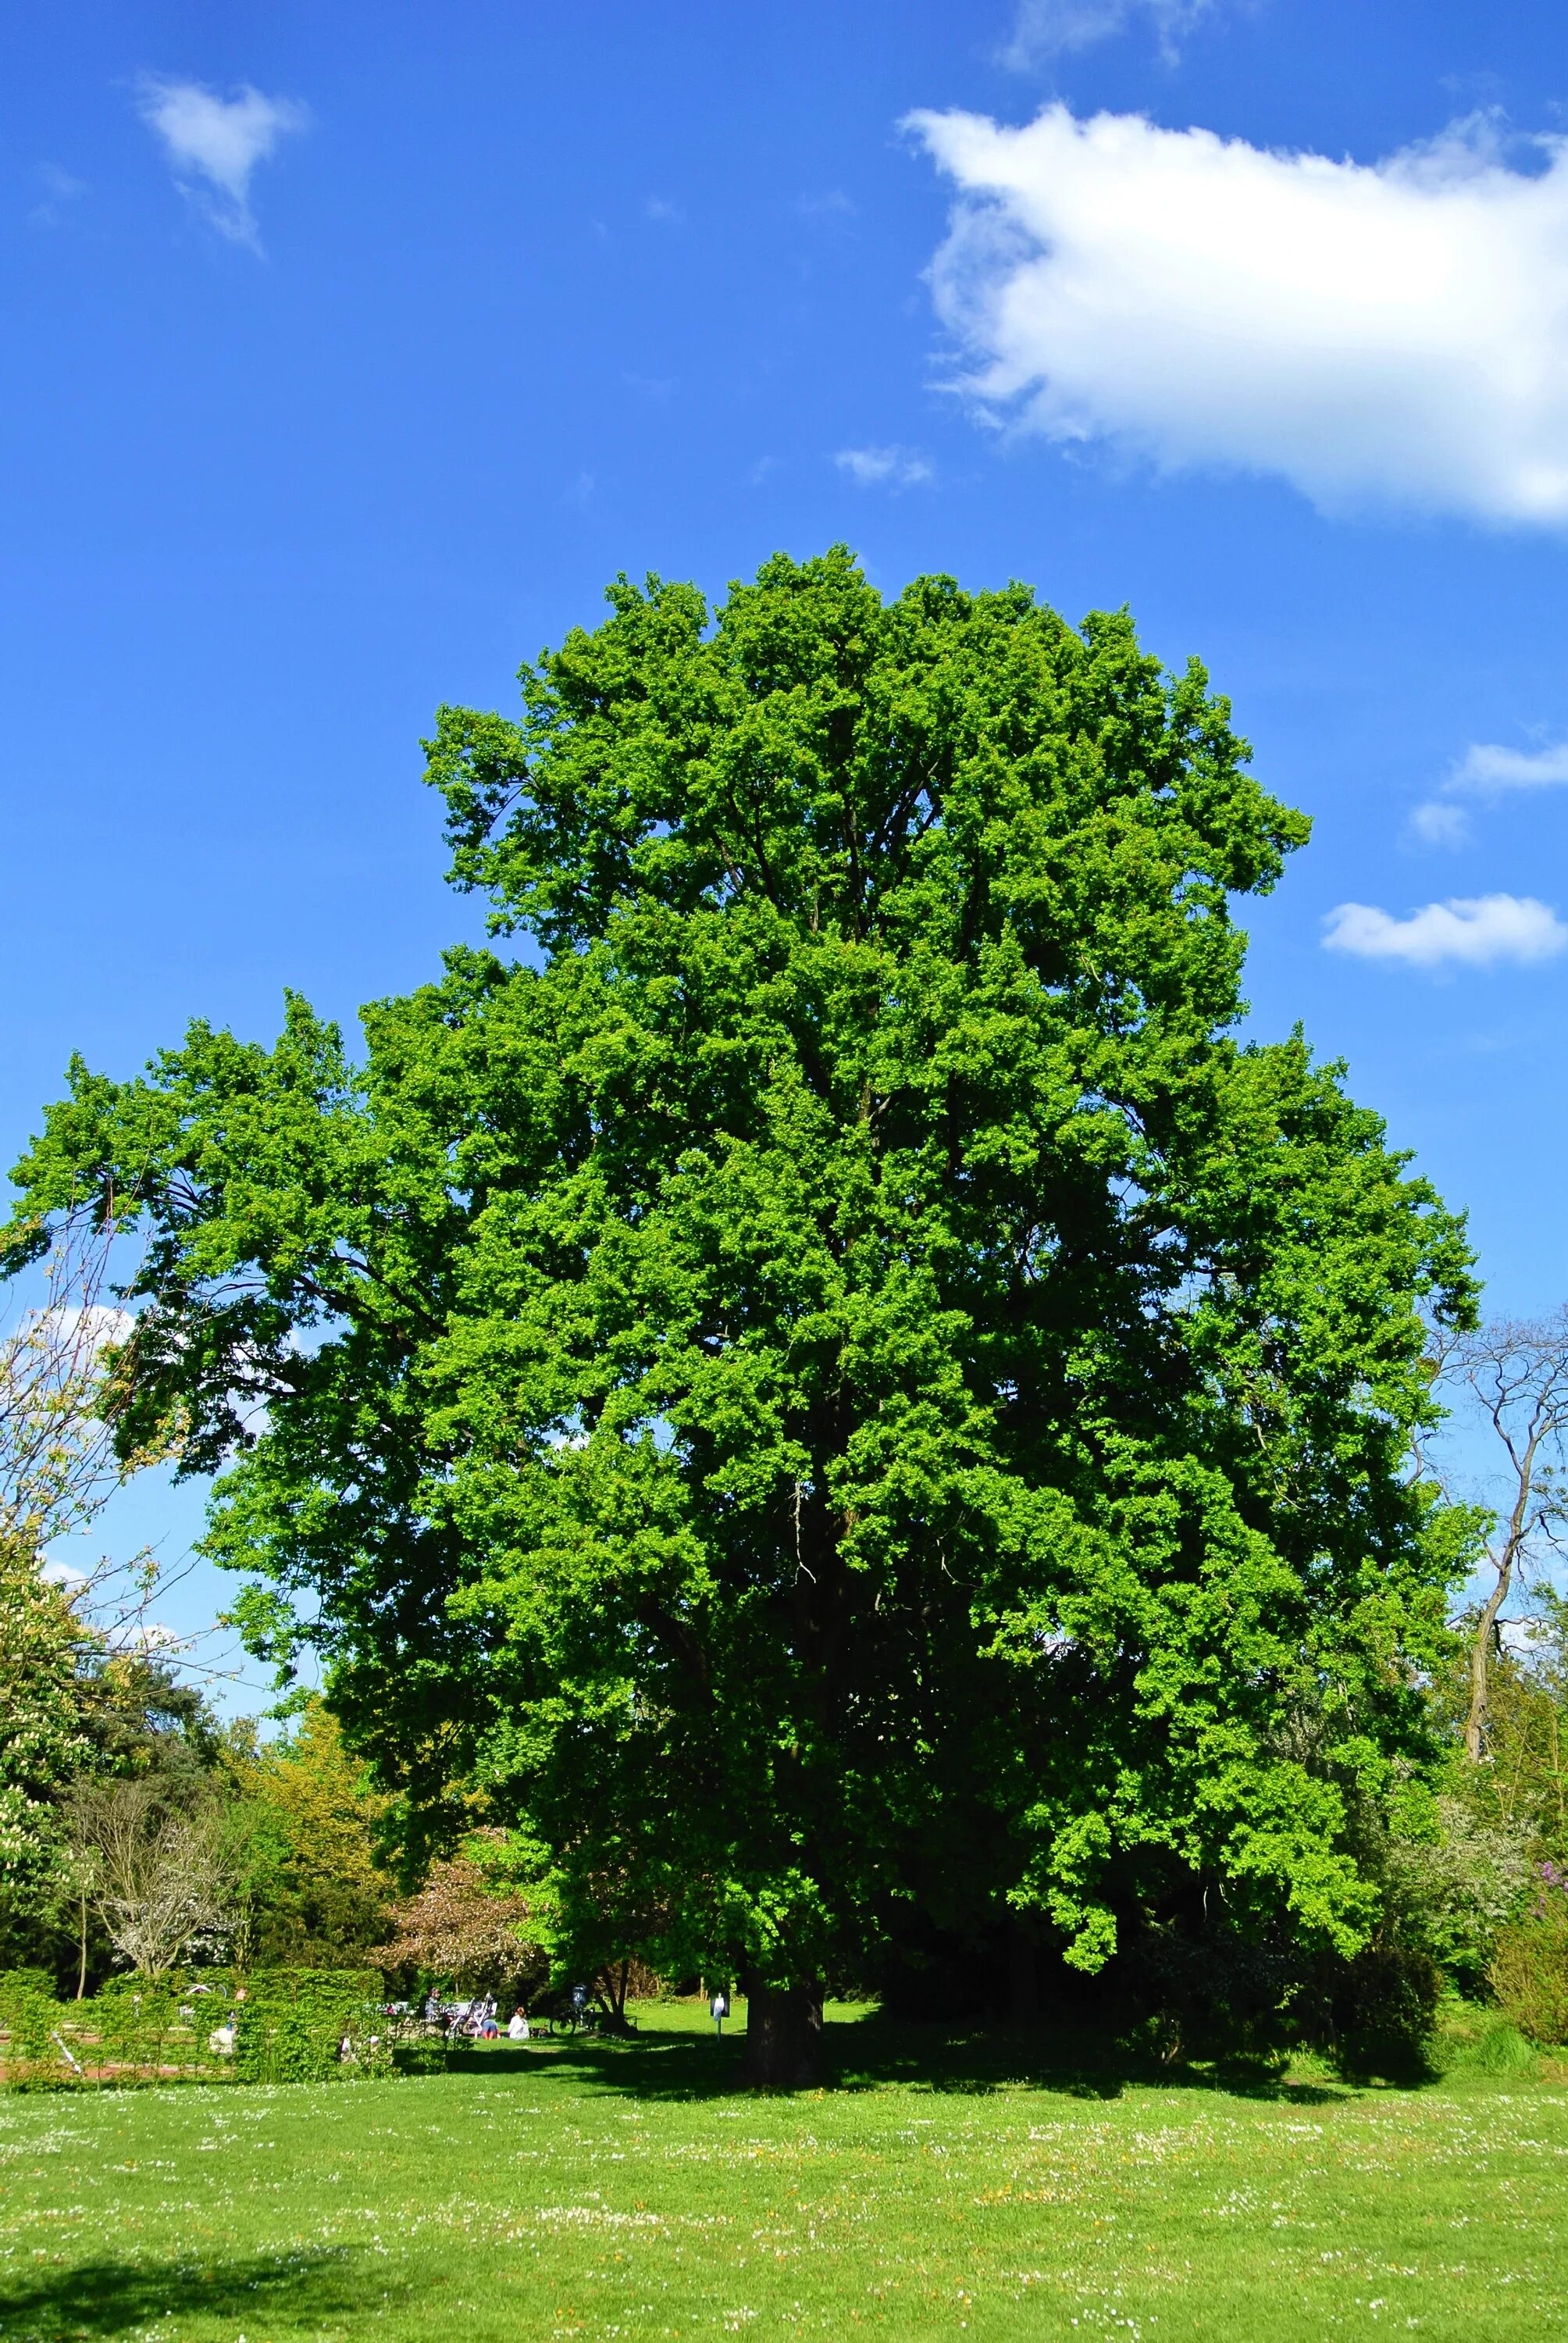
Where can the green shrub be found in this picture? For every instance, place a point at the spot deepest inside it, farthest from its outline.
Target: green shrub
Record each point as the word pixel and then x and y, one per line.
pixel 1500 2049
pixel 422 2055
pixel 292 2022
pixel 290 2025
pixel 35 1981
pixel 1529 1973
pixel 1477 2038
pixel 1384 2005
pixel 28 2016
pixel 1450 1895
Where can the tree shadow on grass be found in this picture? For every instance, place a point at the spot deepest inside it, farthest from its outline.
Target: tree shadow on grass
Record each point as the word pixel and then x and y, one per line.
pixel 876 2052
pixel 289 2293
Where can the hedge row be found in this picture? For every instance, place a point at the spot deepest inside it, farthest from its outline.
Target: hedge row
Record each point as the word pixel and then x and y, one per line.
pixel 276 2025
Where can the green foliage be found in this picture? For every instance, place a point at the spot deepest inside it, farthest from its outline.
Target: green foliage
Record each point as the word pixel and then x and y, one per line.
pixel 469 1929
pixel 1529 1973
pixel 1477 2038
pixel 416 2054
pixel 294 2022
pixel 1522 1785
pixel 27 2016
pixel 844 1396
pixel 140 1719
pixel 71 1713
pixel 1383 2007
pixel 275 2026
pixel 41 1742
pixel 1448 1893
pixel 309 1821
pixel 134 2034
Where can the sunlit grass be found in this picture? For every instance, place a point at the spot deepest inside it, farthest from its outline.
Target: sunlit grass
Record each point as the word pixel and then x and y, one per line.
pixel 635 2191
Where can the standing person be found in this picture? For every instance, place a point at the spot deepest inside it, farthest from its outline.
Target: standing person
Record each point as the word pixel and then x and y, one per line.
pixel 719 2008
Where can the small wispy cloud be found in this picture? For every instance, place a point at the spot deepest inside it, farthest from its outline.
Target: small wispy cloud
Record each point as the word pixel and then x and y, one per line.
pixel 60 190
pixel 1486 771
pixel 1044 28
pixel 1469 932
pixel 214 145
pixel 884 468
pixel 659 208
pixel 832 205
pixel 1439 822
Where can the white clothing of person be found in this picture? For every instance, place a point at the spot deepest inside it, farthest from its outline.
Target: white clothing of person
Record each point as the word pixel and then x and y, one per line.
pixel 517 2028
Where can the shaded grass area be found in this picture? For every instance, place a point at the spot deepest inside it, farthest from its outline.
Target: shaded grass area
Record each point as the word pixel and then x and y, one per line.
pixel 964 2184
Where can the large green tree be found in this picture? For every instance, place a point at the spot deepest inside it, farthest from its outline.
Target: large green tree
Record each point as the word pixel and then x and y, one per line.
pixel 838 1389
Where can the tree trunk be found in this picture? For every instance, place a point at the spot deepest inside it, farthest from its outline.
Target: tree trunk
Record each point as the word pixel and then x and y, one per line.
pixel 784 2050
pixel 1480 1663
pixel 1486 1626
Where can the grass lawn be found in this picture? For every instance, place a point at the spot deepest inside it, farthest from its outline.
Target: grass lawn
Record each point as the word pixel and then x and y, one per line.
pixel 634 2191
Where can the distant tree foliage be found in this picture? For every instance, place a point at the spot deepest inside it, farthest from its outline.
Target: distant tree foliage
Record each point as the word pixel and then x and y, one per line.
pixel 463 1931
pixel 839 1393
pixel 41 1743
pixel 314 1890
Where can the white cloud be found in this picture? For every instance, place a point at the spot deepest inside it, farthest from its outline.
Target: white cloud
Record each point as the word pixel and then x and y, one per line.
pixel 1476 932
pixel 1487 770
pixel 1439 822
pixel 145 1635
pixel 1045 27
pixel 214 143
pixel 90 1328
pixel 1393 332
pixel 884 468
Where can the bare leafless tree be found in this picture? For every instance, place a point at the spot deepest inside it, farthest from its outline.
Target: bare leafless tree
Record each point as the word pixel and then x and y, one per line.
pixel 161 1877
pixel 59 1353
pixel 1516 1374
pixel 56 1449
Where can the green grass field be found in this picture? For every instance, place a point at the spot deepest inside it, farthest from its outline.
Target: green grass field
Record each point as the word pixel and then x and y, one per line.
pixel 634 2191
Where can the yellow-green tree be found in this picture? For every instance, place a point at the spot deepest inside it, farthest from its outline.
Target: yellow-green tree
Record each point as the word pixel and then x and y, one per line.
pixel 318 1895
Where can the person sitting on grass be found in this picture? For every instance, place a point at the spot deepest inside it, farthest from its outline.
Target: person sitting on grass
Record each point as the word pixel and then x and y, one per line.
pixel 517 2025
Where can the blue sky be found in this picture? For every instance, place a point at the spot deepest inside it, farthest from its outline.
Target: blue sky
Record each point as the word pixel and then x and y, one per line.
pixel 351 351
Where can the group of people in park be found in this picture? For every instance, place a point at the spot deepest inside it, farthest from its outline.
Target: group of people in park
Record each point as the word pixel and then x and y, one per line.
pixel 477 2020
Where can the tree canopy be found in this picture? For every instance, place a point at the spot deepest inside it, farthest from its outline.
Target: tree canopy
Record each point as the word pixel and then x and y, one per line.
pixel 836 1394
